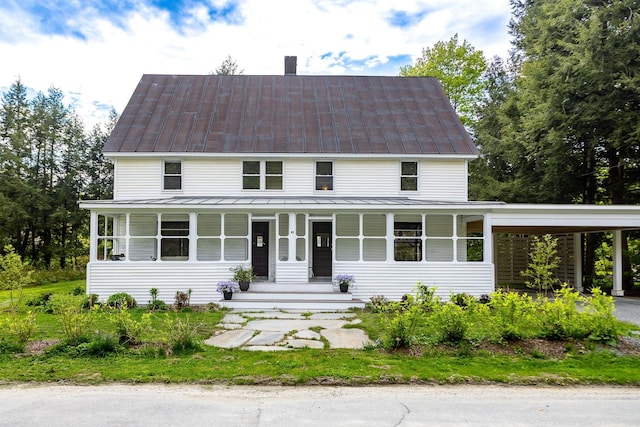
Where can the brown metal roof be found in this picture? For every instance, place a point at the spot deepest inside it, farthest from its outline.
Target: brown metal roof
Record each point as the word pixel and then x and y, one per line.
pixel 289 114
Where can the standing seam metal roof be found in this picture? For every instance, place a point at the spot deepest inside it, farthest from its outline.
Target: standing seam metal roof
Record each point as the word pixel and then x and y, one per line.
pixel 290 114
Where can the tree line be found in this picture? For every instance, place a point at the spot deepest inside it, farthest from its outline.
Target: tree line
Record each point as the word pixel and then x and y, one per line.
pixel 47 163
pixel 558 121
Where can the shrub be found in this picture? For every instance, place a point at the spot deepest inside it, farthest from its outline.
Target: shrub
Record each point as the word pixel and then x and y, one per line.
pixel 451 323
pixel 512 314
pixel 426 297
pixel 90 301
pixel 559 318
pixel 42 302
pixel 543 261
pixel 102 345
pixel 462 299
pixel 155 304
pixel 14 275
pixel 78 290
pixel 182 299
pixel 128 329
pixel 400 329
pixel 20 327
pixel 598 309
pixel 74 321
pixel 120 299
pixel 378 303
pixel 182 335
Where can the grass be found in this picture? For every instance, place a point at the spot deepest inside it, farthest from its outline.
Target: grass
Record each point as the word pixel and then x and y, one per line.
pixel 304 366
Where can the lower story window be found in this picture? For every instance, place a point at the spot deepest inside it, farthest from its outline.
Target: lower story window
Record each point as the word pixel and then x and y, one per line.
pixel 175 240
pixel 407 244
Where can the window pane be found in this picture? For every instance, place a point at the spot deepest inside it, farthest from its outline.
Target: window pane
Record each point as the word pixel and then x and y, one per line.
pixel 374 225
pixel 439 225
pixel 208 224
pixel 251 168
pixel 236 249
pixel 300 249
pixel 175 228
pixel 172 168
pixel 324 183
pixel 283 248
pixel 274 168
pixel 374 250
pixel 470 250
pixel 209 250
pixel 440 250
pixel 324 168
pixel 407 229
pixel 347 249
pixel 251 182
pixel 410 168
pixel 143 224
pixel 172 182
pixel 301 224
pixel 174 249
pixel 236 225
pixel 141 249
pixel 347 225
pixel 409 184
pixel 283 225
pixel 274 182
pixel 408 250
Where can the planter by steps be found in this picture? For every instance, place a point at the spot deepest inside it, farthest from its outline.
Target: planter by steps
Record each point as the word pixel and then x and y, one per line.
pixel 344 288
pixel 227 295
pixel 244 286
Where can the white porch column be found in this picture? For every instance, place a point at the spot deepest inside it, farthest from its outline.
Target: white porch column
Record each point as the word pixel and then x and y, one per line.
pixel 487 235
pixel 193 232
pixel 617 264
pixel 577 261
pixel 93 239
pixel 292 237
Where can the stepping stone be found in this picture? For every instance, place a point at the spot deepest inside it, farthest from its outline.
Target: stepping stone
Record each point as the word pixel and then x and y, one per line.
pixel 275 315
pixel 229 326
pixel 231 339
pixel 286 325
pixel 305 344
pixel 266 338
pixel 345 338
pixel 307 335
pixel 331 316
pixel 266 348
pixel 233 318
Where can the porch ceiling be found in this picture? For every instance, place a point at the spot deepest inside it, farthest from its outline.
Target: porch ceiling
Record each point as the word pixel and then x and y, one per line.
pixel 553 229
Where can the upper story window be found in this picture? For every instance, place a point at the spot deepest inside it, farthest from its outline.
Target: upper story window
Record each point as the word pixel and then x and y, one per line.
pixel 172 175
pixel 324 176
pixel 262 175
pixel 409 176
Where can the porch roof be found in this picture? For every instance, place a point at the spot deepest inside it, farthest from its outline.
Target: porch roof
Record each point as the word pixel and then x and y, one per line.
pixel 282 202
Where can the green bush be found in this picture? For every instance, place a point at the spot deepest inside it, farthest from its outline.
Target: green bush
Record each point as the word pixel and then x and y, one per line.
pixel 559 318
pixel 102 345
pixel 121 299
pixel 42 302
pixel 598 310
pixel 512 314
pixel 74 321
pixel 128 329
pixel 451 323
pixel 20 327
pixel 182 335
pixel 400 329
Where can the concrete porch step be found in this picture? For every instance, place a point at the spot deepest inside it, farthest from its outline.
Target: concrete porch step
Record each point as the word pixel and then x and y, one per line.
pixel 300 304
pixel 261 295
pixel 291 287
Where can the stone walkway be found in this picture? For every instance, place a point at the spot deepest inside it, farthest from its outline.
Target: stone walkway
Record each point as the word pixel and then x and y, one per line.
pixel 282 330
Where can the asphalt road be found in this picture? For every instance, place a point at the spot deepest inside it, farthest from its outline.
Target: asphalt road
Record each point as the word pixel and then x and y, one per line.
pixel 166 405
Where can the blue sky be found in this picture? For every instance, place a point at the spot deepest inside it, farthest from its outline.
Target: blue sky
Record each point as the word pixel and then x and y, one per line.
pixel 97 50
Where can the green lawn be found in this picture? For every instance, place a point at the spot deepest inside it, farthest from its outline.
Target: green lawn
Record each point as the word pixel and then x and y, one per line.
pixel 234 366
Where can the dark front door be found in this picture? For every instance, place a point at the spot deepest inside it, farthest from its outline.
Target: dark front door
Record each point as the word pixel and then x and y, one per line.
pixel 322 249
pixel 260 248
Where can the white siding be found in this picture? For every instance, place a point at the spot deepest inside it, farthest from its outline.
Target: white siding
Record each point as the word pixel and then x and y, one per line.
pixel 395 280
pixel 137 178
pixel 443 180
pixel 438 179
pixel 136 278
pixel 292 272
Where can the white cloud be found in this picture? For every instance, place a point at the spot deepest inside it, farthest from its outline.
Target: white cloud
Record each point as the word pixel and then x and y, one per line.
pixel 105 67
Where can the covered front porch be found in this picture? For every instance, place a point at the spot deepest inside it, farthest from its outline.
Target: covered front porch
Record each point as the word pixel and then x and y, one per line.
pixel 295 247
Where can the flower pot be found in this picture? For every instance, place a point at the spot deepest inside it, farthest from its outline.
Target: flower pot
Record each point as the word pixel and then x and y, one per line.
pixel 344 287
pixel 244 286
pixel 227 295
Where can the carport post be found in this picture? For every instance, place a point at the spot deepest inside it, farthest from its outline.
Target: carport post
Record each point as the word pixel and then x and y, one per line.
pixel 617 264
pixel 577 261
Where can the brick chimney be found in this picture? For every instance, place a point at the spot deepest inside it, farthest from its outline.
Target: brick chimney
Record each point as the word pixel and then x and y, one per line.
pixel 290 65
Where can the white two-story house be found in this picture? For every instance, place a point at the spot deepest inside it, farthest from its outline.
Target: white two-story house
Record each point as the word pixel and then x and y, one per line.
pixel 303 178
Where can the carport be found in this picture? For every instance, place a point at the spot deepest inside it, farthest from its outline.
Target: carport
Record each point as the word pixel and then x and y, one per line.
pixel 569 219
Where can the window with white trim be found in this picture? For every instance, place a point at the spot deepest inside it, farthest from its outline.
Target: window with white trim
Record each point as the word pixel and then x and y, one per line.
pixel 324 176
pixel 172 175
pixel 407 241
pixel 262 175
pixel 409 176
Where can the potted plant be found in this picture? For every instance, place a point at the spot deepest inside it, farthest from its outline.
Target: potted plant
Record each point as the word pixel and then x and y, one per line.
pixel 344 281
pixel 243 276
pixel 227 288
